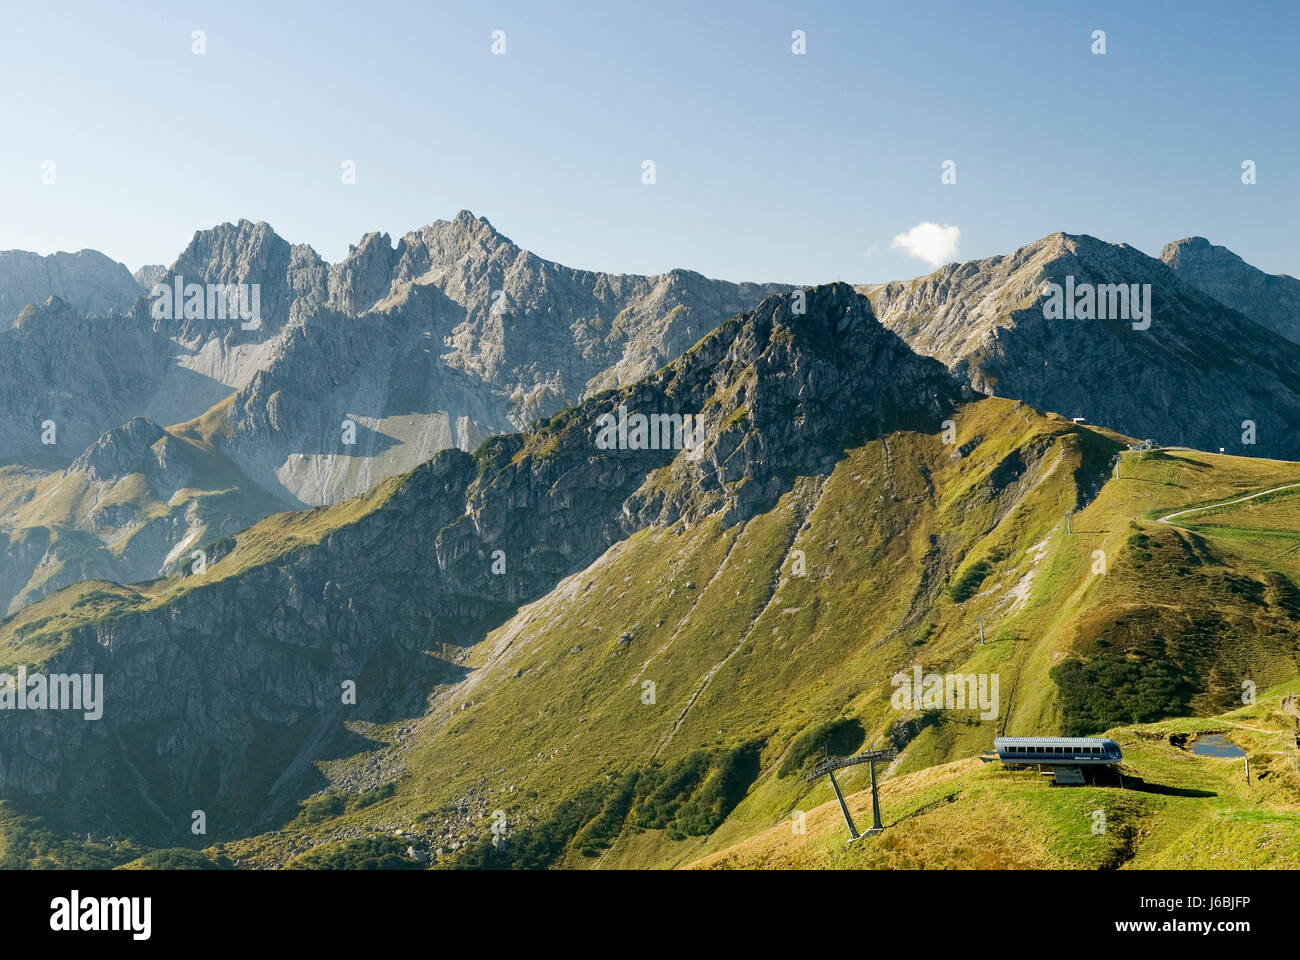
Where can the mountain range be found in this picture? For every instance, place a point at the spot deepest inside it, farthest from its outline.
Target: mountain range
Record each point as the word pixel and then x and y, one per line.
pixel 452 335
pixel 631 652
pixel 363 369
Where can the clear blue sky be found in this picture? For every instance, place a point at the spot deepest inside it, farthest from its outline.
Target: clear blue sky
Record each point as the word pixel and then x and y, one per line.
pixel 770 166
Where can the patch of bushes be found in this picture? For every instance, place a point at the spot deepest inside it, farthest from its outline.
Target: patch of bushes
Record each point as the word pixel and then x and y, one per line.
pixel 837 737
pixel 539 845
pixel 360 801
pixel 28 846
pixel 1115 688
pixel 332 803
pixel 964 587
pixel 718 795
pixel 179 858
pixel 689 798
pixel 374 852
pixel 1139 544
pixel 316 809
pixel 661 792
pixel 605 827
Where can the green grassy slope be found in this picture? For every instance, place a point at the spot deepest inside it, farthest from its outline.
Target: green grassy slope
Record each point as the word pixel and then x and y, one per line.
pixel 903 547
pixel 1172 810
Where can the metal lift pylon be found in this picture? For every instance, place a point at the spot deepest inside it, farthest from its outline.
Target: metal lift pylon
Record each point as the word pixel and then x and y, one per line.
pixel 870 758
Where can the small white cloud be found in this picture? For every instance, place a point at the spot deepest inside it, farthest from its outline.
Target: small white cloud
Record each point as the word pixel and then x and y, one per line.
pixel 930 242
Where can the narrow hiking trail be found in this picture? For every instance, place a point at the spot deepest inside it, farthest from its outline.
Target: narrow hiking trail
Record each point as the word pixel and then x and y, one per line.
pixel 1226 503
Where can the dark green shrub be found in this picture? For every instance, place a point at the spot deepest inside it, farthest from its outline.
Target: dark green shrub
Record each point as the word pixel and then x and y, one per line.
pixel 964 587
pixel 364 853
pixel 1116 688
pixel 178 858
pixel 835 738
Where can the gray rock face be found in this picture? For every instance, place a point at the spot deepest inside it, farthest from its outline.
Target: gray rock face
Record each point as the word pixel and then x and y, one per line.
pixel 120 452
pixel 1271 300
pixel 83 375
pixel 149 274
pixel 377 382
pixel 1192 378
pixel 88 281
pixel 550 332
pixel 244 253
pixel 452 335
pixel 543 335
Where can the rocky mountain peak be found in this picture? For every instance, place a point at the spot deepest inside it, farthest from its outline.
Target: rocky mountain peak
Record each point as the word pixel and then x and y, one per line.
pixel 249 254
pixel 149 274
pixel 1195 246
pixel 51 310
pixel 990 322
pixel 445 242
pixel 120 451
pixel 481 227
pixel 1272 300
pixel 365 276
pixel 783 390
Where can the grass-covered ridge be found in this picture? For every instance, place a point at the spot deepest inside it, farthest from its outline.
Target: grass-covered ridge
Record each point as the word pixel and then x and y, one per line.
pixel 784 631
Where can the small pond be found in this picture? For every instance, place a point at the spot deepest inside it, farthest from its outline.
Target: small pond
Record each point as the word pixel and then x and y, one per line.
pixel 1216 745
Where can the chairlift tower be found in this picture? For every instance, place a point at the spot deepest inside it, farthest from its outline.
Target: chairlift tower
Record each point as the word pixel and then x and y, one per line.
pixel 871 758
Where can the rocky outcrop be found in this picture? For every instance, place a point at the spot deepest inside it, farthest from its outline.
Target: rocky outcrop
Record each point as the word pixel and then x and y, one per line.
pixel 81 375
pixel 139 447
pixel 120 452
pixel 149 274
pixel 1271 300
pixel 244 253
pixel 785 394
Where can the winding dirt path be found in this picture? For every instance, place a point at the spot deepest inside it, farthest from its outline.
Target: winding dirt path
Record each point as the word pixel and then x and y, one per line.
pixel 1226 503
